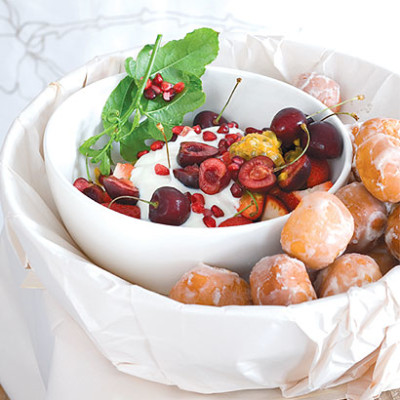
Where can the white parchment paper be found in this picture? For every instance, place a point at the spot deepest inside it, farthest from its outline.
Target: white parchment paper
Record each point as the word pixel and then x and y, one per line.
pixel 353 337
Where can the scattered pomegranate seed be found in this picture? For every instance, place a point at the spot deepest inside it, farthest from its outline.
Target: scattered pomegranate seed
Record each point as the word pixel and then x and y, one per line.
pixel 234 169
pixel 150 94
pixel 157 145
pixel 217 211
pixel 252 130
pixel 169 95
pixel 165 86
pixel 178 87
pixel 207 212
pixel 177 129
pixel 223 146
pixel 158 79
pixel 148 83
pixel 236 190
pixel 197 129
pixel 198 198
pixel 209 136
pixel 197 208
pixel 209 222
pixel 160 169
pixel 238 160
pixel 233 124
pixel 223 128
pixel 141 153
pixel 226 157
pixel 156 89
pixel 232 138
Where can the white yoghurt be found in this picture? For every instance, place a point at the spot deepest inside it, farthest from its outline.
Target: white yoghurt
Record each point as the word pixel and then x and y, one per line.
pixel 147 181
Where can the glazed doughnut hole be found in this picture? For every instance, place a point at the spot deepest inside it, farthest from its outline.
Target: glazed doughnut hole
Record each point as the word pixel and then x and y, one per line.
pixel 382 256
pixel 211 286
pixel 345 272
pixel 369 216
pixel 318 230
pixel 280 280
pixel 392 233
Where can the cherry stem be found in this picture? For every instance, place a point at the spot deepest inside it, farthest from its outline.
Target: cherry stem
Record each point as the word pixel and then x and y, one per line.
pixel 238 80
pixel 305 129
pixel 358 97
pixel 352 115
pixel 114 200
pixel 161 129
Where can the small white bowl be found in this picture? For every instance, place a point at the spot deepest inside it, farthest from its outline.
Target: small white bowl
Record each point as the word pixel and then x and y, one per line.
pixel 154 255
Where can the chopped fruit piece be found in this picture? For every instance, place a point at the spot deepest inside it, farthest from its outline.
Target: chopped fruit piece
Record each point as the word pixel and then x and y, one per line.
pixel 249 208
pixel 214 176
pixel 150 94
pixel 160 169
pixel 121 187
pixel 189 175
pixel 226 158
pixel 233 124
pixel 295 175
pixel 232 138
pixel 280 280
pixel 141 153
pixel 197 203
pixel 96 193
pixel 250 129
pixel 209 222
pixel 224 128
pixel 165 86
pixel 209 136
pixel 217 212
pixel 273 208
pixel 318 230
pixel 289 199
pixel 236 221
pixel 123 170
pixel 325 89
pixel 345 272
pixel 169 95
pixel 236 190
pixel 197 129
pixel 320 172
pixel 126 209
pixel 148 83
pixel 195 153
pixel 179 87
pixel 157 145
pixel 211 286
pixel 81 183
pixel 156 89
pixel 257 174
pixel 158 79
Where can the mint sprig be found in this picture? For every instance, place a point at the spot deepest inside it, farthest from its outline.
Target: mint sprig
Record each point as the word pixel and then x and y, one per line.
pixel 131 119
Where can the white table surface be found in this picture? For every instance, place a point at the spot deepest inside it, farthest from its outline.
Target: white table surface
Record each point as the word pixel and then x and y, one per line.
pixel 45 39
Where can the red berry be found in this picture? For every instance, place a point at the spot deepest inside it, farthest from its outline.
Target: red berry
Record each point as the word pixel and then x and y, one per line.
pixel 197 129
pixel 157 145
pixel 223 146
pixel 158 79
pixel 160 169
pixel 150 94
pixel 226 157
pixel 156 89
pixel 141 153
pixel 217 211
pixel 165 86
pixel 177 129
pixel 232 138
pixel 237 190
pixel 178 87
pixel 209 222
pixel 223 128
pixel 238 160
pixel 198 202
pixel 214 176
pixel 148 83
pixel 233 124
pixel 257 174
pixel 209 136
pixel 234 169
pixel 168 95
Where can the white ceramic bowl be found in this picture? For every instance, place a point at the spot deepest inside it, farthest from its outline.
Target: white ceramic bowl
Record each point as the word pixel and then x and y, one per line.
pixel 154 255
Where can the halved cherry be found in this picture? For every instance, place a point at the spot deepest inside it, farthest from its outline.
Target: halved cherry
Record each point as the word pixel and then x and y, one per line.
pixel 257 174
pixel 295 175
pixel 121 187
pixel 189 175
pixel 93 191
pixel 235 221
pixel 214 176
pixel 194 153
pixel 126 209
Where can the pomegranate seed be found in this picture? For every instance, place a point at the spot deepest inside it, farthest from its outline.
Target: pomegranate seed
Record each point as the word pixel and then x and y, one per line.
pixel 231 138
pixel 197 129
pixel 236 190
pixel 217 211
pixel 223 128
pixel 158 79
pixel 169 95
pixel 251 130
pixel 157 145
pixel 178 87
pixel 160 169
pixel 150 94
pixel 141 153
pixel 165 86
pixel 156 89
pixel 148 84
pixel 223 146
pixel 238 160
pixel 234 169
pixel 208 136
pixel 233 124
pixel 226 157
pixel 207 212
pixel 197 208
pixel 177 129
pixel 198 198
pixel 209 222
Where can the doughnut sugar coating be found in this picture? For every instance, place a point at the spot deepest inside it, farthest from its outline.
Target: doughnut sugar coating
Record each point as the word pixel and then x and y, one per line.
pixel 348 270
pixel 318 230
pixel 280 280
pixel 378 165
pixel 323 88
pixel 369 214
pixel 211 286
pixel 392 233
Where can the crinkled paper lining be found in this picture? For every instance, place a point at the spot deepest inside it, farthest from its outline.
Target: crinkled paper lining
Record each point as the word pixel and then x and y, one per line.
pixel 352 338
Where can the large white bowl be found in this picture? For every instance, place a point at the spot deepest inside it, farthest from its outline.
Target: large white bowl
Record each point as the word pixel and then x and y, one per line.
pixel 154 255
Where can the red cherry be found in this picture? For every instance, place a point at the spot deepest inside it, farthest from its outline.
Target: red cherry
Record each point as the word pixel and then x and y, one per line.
pixel 257 174
pixel 286 124
pixel 214 176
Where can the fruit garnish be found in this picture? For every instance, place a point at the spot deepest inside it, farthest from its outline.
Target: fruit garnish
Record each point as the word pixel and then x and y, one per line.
pixel 257 174
pixel 91 190
pixel 126 209
pixel 194 153
pixel 123 170
pixel 179 61
pixel 251 205
pixel 121 187
pixel 295 175
pixel 214 176
pixel 320 172
pixel 235 221
pixel 273 208
pixel 189 175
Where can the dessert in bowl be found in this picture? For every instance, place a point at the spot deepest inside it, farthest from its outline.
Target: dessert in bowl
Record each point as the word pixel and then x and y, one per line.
pixel 156 255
